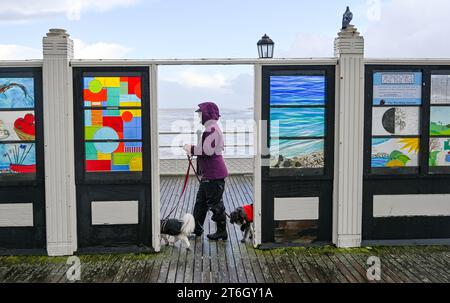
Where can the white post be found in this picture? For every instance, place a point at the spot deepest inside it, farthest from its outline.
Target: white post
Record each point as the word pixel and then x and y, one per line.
pixel 349 48
pixel 156 216
pixel 257 203
pixel 59 144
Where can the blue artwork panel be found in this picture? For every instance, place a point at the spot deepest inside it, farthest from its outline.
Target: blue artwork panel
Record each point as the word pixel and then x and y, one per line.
pixel 297 153
pixel 397 88
pixel 297 90
pixel 17 158
pixel 16 93
pixel 297 122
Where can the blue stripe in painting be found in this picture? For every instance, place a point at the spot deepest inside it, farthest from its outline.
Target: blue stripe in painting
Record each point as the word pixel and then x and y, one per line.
pixel 297 90
pixel 297 122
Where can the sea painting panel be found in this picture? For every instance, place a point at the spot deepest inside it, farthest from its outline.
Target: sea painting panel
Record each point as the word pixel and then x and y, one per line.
pixel 440 89
pixel 297 153
pixel 113 156
pixel 392 121
pixel 439 152
pixel 17 158
pixel 17 126
pixel 397 88
pixel 395 153
pixel 297 122
pixel 297 90
pixel 440 121
pixel 16 93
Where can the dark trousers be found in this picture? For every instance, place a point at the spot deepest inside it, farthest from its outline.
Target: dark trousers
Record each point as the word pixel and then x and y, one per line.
pixel 209 197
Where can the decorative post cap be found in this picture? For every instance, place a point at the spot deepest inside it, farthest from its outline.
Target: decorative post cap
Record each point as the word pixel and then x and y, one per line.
pixel 58 32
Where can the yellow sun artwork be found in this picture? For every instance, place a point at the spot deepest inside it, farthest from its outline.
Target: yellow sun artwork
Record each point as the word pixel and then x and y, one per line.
pixel 411 144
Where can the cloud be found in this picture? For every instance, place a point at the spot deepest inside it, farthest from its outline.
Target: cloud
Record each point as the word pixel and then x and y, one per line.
pixel 99 50
pixel 25 10
pixel 187 89
pixel 308 45
pixel 18 52
pixel 192 78
pixel 83 50
pixel 409 28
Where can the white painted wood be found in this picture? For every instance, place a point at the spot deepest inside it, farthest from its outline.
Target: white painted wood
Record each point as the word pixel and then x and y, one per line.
pixel 223 61
pixel 407 61
pixel 59 144
pixel 16 215
pixel 349 48
pixel 156 216
pixel 411 205
pixel 21 63
pixel 257 180
pixel 115 212
pixel 296 209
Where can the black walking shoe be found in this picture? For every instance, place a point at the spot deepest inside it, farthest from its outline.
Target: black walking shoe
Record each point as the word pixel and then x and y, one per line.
pixel 221 233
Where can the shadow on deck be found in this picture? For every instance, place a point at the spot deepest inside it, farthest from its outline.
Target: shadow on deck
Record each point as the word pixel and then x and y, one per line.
pixel 232 261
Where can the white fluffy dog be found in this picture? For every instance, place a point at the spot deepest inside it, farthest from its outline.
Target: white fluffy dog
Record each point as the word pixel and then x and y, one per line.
pixel 178 230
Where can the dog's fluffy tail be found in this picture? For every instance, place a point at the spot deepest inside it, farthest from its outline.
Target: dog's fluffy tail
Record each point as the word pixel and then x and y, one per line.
pixel 188 224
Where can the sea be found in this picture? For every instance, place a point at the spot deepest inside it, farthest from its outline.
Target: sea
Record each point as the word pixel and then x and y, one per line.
pixel 178 120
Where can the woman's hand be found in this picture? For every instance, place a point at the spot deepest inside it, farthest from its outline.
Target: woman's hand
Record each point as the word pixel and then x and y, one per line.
pixel 188 148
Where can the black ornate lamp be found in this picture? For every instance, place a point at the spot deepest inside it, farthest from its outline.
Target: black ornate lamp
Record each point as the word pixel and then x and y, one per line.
pixel 265 47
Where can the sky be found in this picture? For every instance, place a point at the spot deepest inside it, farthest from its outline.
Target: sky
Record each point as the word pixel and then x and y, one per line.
pixel 137 29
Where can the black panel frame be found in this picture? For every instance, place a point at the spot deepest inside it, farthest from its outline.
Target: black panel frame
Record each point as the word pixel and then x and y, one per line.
pixel 396 183
pixel 14 189
pixel 113 186
pixel 300 185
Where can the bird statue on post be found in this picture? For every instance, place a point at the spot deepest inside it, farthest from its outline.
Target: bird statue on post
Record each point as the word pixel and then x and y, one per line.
pixel 347 18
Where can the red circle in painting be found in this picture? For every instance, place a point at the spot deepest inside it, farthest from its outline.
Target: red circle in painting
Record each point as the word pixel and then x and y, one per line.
pixel 137 90
pixel 127 116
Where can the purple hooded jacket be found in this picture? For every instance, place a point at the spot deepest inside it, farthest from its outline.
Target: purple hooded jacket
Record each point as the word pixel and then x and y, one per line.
pixel 209 150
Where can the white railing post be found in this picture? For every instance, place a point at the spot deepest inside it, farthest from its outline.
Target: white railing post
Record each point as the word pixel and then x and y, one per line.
pixel 59 143
pixel 347 204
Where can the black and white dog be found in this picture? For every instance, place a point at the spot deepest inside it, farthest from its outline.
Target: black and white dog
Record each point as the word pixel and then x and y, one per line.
pixel 177 230
pixel 243 216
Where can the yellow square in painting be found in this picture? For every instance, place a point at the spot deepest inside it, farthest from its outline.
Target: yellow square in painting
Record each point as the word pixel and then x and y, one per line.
pixel 130 104
pixel 136 113
pixel 102 80
pixel 101 156
pixel 112 82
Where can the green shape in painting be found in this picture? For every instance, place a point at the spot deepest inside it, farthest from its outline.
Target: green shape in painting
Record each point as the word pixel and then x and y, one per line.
pixel 95 86
pixel 124 88
pixel 433 158
pixel 124 158
pixel 91 151
pixel 90 131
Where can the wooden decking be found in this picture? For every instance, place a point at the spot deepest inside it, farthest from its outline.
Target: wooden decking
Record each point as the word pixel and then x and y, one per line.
pixel 232 261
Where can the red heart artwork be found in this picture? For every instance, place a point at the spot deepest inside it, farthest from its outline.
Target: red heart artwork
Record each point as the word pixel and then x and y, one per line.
pixel 25 128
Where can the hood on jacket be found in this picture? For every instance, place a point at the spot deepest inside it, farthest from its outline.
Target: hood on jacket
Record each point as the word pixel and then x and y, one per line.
pixel 209 111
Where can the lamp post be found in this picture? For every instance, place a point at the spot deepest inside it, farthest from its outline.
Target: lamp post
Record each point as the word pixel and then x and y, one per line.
pixel 265 47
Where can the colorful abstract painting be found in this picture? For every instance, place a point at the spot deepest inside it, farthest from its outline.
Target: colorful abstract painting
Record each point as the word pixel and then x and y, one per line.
pixel 297 122
pixel 391 153
pixel 16 93
pixel 17 126
pixel 113 156
pixel 112 92
pixel 113 124
pixel 439 152
pixel 397 88
pixel 440 89
pixel 297 90
pixel 440 121
pixel 17 158
pixel 395 121
pixel 297 153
